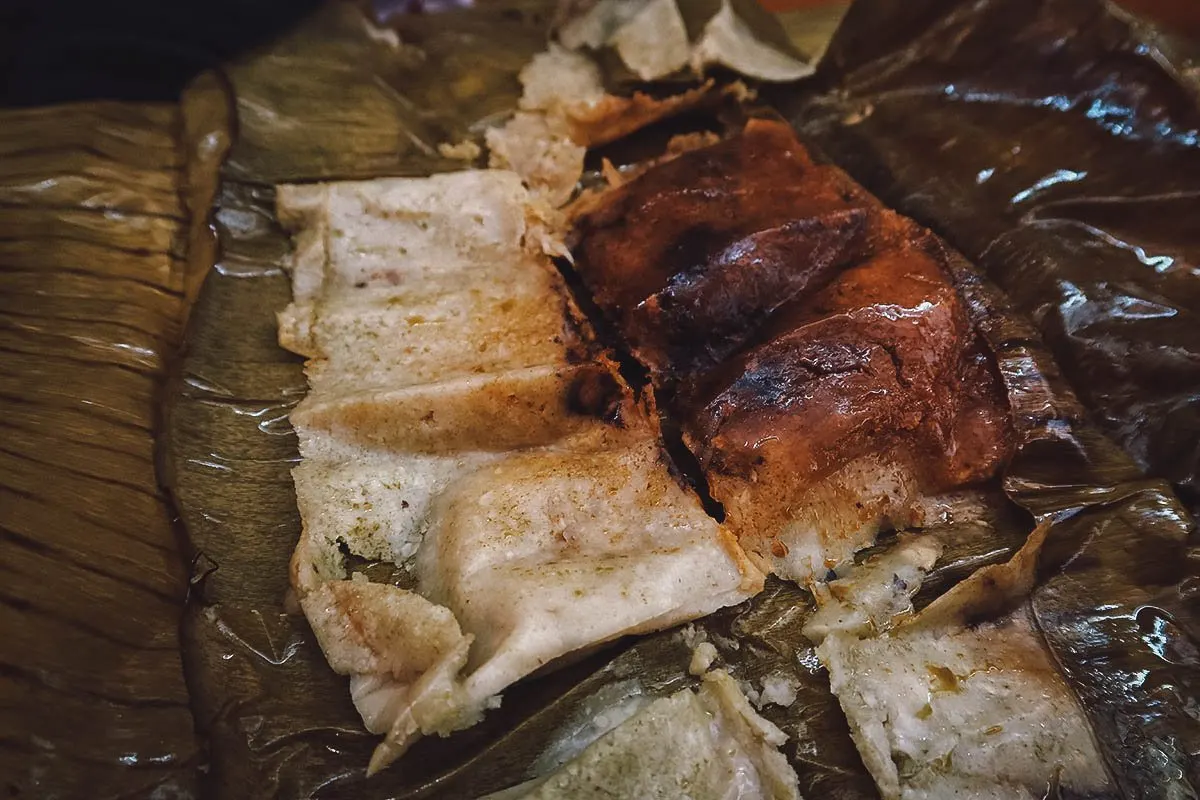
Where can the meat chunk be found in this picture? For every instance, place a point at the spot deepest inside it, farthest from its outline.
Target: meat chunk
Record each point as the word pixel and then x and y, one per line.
pixel 692 256
pixel 812 344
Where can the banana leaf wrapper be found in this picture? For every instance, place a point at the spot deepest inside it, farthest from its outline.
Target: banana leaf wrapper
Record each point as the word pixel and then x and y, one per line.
pixel 103 241
pixel 1057 145
pixel 1113 601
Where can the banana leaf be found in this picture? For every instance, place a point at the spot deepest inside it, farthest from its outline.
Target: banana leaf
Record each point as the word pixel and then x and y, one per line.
pixel 1057 145
pixel 338 98
pixel 102 236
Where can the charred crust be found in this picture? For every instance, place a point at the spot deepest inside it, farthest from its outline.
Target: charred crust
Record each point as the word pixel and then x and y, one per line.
pixel 597 393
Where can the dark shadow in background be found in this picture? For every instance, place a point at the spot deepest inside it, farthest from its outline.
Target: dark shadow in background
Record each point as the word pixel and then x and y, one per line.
pixel 54 51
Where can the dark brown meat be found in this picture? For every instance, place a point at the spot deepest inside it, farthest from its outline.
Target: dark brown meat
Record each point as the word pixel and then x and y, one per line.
pixel 873 359
pixel 812 344
pixel 690 258
pixel 982 436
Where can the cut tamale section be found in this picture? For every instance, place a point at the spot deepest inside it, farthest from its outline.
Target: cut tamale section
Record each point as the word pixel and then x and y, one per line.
pixel 411 510
pixel 461 425
pixel 965 700
pixel 812 344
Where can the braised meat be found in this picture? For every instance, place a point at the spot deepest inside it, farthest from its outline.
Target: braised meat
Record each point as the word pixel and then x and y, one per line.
pixel 811 343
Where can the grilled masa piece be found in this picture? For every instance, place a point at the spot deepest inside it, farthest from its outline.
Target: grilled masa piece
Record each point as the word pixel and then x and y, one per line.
pixel 965 699
pixel 461 426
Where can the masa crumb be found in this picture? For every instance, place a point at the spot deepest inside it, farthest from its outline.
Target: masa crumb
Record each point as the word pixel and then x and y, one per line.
pixel 703 656
pixel 466 150
pixel 778 689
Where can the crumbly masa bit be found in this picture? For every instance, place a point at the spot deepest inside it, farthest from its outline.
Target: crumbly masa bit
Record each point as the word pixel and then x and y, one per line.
pixel 559 81
pixel 564 109
pixel 873 596
pixel 466 150
pixel 538 142
pixel 703 744
pixel 461 423
pixel 778 689
pixel 965 700
pixel 538 147
pixel 703 656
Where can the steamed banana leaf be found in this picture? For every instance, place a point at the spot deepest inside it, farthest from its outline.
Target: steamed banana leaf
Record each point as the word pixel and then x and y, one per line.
pixel 1057 144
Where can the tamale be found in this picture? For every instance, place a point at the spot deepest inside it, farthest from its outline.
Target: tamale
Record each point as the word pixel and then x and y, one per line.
pixel 279 719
